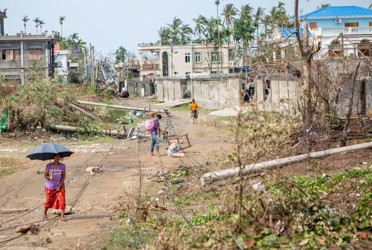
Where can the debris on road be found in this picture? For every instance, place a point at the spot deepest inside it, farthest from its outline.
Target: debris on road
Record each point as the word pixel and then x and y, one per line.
pixel 29 229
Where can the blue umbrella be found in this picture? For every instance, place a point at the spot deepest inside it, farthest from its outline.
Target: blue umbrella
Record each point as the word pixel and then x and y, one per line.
pixel 47 151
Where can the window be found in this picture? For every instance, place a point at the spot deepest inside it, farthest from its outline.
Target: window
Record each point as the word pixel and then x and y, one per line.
pixel 175 52
pixel 176 73
pixel 197 57
pixel 10 54
pixel 231 55
pixel 34 54
pixel 188 74
pixel 313 25
pixel 355 24
pixel 187 57
pixel 216 57
pixel 214 72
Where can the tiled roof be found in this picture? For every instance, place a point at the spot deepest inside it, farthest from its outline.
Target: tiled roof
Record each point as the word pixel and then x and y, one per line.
pixel 339 11
pixel 290 32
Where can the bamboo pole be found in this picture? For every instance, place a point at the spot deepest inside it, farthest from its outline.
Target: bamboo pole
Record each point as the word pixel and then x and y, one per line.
pixel 259 167
pixel 118 106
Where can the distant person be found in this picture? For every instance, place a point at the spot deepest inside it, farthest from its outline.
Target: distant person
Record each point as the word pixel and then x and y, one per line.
pixel 194 110
pixel 155 133
pixel 55 174
pixel 246 97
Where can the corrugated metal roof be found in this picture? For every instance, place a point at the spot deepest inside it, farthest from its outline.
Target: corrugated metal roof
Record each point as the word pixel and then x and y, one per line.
pixel 290 31
pixel 339 11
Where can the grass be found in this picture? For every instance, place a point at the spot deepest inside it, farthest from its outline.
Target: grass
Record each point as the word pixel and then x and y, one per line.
pixel 314 220
pixel 152 100
pixel 9 165
pixel 186 108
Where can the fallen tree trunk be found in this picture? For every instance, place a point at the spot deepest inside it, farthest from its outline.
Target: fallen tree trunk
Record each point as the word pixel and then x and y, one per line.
pixel 83 111
pixel 118 106
pixel 82 131
pixel 259 167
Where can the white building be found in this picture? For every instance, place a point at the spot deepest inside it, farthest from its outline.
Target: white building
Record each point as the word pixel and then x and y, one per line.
pixel 182 61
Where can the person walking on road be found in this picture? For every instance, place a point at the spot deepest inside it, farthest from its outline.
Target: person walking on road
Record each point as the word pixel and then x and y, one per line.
pixel 194 110
pixel 55 174
pixel 155 133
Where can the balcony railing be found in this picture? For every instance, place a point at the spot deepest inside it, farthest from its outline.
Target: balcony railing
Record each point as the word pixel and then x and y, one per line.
pixel 150 66
pixel 344 30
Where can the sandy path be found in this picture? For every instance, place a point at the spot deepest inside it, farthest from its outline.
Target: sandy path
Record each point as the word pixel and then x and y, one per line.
pixel 87 226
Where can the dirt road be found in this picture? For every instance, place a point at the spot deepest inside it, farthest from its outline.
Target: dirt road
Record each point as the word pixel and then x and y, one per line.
pixel 93 197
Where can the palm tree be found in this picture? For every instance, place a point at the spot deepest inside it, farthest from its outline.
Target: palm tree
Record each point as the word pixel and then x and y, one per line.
pixel 200 26
pixel 175 28
pixel 257 19
pixel 217 2
pixel 165 35
pixel 41 23
pixel 61 20
pixel 229 12
pixel 185 34
pixel 370 7
pixel 37 22
pixel 25 19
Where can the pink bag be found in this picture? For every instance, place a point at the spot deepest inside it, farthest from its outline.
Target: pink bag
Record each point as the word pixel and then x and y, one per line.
pixel 149 125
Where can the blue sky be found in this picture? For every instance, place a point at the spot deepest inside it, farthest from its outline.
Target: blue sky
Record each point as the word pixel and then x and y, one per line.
pixel 110 23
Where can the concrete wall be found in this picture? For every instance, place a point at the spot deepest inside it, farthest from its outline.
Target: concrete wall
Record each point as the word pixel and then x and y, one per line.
pixel 216 93
pixel 169 89
pixel 282 97
pixel 345 96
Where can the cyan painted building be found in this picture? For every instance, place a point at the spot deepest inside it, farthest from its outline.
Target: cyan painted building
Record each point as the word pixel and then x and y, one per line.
pixel 342 30
pixel 339 17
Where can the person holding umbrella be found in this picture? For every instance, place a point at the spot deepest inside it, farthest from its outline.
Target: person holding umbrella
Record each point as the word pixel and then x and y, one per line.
pixel 55 174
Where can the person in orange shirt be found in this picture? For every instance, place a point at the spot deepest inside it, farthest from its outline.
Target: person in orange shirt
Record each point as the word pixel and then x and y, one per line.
pixel 194 110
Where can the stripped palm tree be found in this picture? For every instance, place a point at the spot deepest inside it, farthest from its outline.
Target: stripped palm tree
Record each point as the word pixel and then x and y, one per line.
pixel 257 19
pixel 37 22
pixel 41 23
pixel 61 20
pixel 25 19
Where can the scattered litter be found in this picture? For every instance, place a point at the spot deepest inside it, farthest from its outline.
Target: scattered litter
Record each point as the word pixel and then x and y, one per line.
pixel 160 207
pixel 177 182
pixel 93 170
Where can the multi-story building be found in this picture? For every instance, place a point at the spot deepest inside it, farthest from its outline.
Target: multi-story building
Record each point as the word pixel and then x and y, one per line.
pixel 183 61
pixel 342 30
pixel 21 52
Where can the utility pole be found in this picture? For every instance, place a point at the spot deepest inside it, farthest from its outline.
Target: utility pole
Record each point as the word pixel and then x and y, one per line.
pixel 92 65
pixel 217 2
pixel 85 66
pixel 172 66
